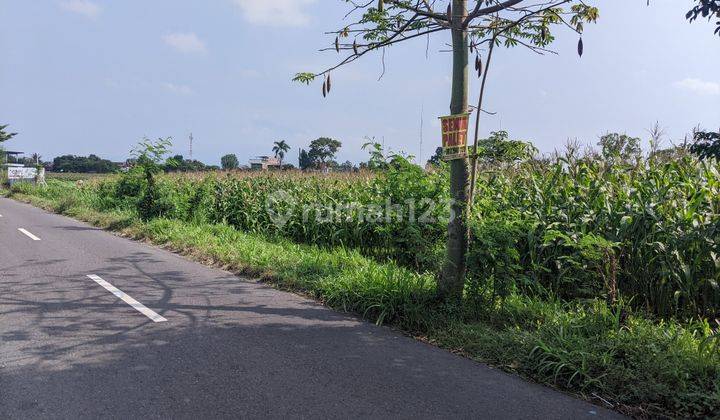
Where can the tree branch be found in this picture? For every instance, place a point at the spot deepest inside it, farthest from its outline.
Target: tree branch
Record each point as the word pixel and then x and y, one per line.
pixel 442 19
pixel 479 11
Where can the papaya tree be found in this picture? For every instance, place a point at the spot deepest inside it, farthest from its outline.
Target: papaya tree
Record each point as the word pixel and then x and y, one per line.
pixel 709 9
pixel 474 26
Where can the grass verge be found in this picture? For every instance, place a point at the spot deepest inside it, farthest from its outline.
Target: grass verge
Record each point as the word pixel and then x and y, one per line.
pixel 611 356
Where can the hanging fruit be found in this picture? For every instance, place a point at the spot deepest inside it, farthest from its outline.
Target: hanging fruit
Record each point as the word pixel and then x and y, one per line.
pixel 381 5
pixel 328 83
pixel 355 50
pixel 580 47
pixel 337 44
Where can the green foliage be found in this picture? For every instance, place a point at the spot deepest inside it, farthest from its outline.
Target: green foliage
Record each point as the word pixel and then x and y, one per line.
pixel 81 164
pixel 4 135
pixel 375 26
pixel 706 8
pixel 498 148
pixel 706 145
pixel 304 78
pixel 280 148
pixel 377 160
pixel 579 224
pixel 304 161
pixel 436 159
pixel 620 149
pixel 322 150
pixel 148 155
pixel 230 161
pixel 342 211
pixel 570 229
pixel 178 163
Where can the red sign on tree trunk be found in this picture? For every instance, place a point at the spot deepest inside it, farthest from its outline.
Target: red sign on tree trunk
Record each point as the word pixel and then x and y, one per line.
pixel 454 136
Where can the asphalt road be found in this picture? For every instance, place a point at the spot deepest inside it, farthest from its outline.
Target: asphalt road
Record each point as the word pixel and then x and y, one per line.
pixel 187 341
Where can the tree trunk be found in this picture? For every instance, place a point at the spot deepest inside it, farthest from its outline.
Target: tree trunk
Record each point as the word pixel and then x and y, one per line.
pixel 452 278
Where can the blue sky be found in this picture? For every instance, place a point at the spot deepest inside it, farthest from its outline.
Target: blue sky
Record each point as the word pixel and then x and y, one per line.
pixel 95 76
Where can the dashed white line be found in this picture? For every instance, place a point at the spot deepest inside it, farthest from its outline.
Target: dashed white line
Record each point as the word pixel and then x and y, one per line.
pixel 28 234
pixel 127 299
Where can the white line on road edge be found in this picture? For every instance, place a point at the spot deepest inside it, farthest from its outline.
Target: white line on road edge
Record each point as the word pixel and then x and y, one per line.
pixel 29 235
pixel 127 299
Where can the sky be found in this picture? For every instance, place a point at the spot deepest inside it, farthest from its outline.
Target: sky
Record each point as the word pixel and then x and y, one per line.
pixel 96 76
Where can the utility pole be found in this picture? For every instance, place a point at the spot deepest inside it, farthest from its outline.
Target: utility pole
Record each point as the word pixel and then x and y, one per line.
pixel 422 115
pixel 191 140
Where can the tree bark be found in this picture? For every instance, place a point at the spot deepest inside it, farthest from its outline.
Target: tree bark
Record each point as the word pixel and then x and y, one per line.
pixel 452 278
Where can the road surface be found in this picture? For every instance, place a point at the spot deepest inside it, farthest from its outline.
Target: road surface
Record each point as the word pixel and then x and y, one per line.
pixel 93 325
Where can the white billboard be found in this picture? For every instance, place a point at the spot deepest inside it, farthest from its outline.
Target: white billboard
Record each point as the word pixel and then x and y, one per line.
pixel 18 173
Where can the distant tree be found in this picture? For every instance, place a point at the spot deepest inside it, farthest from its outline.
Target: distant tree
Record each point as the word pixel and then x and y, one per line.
pixel 706 145
pixel 346 166
pixel 322 150
pixel 288 167
pixel 229 162
pixel 436 159
pixel 174 163
pixel 498 148
pixel 81 164
pixel 304 161
pixel 708 9
pixel 178 163
pixel 4 135
pixel 620 148
pixel 280 148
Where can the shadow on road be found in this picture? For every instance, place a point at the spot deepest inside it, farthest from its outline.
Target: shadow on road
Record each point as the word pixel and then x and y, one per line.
pixel 230 348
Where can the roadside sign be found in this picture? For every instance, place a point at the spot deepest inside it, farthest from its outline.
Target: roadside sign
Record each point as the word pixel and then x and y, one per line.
pixel 21 173
pixel 454 136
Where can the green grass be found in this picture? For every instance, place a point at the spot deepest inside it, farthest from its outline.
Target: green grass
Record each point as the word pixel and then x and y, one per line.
pixel 610 356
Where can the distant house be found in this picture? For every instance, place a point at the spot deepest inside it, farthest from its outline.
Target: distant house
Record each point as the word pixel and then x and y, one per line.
pixel 123 166
pixel 263 163
pixel 7 156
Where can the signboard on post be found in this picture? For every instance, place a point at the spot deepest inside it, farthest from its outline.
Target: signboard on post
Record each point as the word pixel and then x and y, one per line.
pixel 20 173
pixel 454 136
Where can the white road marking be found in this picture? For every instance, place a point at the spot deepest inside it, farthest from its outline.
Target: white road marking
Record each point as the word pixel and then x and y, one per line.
pixel 29 235
pixel 127 299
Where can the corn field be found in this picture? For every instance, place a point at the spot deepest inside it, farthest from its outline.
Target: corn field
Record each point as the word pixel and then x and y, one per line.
pixel 642 233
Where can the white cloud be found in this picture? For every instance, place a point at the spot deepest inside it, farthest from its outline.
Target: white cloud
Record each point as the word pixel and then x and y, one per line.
pixel 82 7
pixel 185 42
pixel 698 86
pixel 178 89
pixel 275 12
